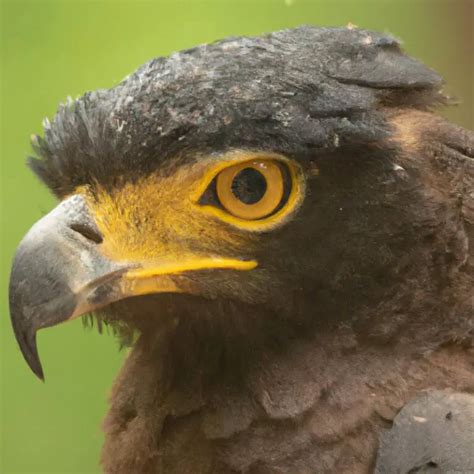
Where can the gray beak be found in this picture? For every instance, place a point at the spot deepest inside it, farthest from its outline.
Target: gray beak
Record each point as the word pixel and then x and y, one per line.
pixel 59 273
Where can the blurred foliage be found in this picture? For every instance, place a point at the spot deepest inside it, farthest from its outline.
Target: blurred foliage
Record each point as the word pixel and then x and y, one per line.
pixel 52 49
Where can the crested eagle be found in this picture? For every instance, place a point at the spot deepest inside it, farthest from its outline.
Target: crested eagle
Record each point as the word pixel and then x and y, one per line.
pixel 283 231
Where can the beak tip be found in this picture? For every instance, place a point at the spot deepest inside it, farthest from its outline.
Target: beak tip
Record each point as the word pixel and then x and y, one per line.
pixel 32 358
pixel 37 369
pixel 27 342
pixel 35 365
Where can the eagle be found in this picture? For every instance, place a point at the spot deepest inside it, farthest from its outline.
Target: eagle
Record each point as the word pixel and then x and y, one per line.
pixel 282 230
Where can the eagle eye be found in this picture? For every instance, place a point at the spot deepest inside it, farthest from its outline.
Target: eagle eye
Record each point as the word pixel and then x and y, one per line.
pixel 251 190
pixel 256 193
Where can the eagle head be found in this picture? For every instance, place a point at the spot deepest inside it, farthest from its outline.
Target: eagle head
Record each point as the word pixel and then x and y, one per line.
pixel 264 186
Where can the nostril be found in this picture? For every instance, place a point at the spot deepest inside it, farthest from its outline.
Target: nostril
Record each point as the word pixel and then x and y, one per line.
pixel 88 232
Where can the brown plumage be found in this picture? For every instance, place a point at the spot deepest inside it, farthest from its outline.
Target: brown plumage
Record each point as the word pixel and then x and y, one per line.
pixel 318 400
pixel 361 298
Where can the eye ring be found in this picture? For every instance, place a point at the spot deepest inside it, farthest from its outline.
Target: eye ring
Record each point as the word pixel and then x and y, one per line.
pixel 205 194
pixel 266 203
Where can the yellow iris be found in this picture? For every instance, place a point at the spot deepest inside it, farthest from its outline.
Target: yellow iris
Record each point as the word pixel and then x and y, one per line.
pixel 273 186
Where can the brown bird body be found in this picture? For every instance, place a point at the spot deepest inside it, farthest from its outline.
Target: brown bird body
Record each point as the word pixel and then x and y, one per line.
pixel 283 343
pixel 310 401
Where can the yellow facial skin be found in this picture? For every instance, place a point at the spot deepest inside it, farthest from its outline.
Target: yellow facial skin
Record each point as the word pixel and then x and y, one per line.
pixel 159 224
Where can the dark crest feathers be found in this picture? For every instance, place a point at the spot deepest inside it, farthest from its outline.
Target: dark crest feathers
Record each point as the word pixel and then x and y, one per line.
pixel 292 91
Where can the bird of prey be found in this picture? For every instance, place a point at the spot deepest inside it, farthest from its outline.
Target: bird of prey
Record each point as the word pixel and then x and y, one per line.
pixel 283 231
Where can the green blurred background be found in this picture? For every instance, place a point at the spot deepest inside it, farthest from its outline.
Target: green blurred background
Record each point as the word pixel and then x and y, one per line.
pixel 52 49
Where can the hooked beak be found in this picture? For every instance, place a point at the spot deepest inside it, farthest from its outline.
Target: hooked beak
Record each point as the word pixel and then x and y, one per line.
pixel 60 273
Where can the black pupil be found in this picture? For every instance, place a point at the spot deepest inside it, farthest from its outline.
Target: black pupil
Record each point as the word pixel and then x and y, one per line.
pixel 249 186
